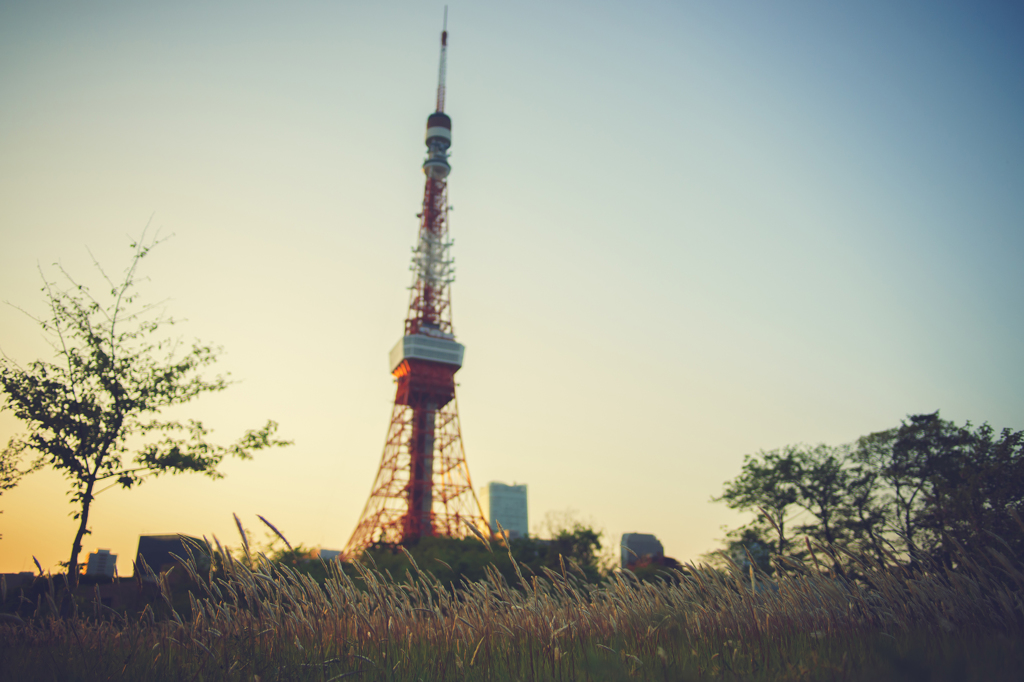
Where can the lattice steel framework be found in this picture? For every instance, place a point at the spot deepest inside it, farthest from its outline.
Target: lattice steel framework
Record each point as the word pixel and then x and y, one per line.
pixel 423 486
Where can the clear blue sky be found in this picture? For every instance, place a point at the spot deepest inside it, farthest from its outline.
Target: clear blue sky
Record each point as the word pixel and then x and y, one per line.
pixel 684 232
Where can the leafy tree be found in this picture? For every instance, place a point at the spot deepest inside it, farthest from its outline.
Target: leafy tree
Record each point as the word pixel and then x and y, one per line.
pixel 922 488
pixel 94 415
pixel 779 482
pixel 833 488
pixel 581 544
pixel 453 560
pixel 754 541
pixel 951 484
pixel 575 540
pixel 832 492
pixel 449 560
pixel 902 475
pixel 10 474
pixel 767 482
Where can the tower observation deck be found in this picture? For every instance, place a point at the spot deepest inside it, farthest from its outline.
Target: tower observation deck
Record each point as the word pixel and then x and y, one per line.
pixel 422 487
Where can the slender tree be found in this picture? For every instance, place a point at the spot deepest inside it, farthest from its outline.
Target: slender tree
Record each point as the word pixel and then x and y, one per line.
pixel 95 413
pixel 971 483
pixel 832 494
pixel 824 483
pixel 768 482
pixel 926 488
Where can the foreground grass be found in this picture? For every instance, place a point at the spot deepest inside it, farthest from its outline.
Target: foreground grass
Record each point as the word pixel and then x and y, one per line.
pixel 922 656
pixel 858 620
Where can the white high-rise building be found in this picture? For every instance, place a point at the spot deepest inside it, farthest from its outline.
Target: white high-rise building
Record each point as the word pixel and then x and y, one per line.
pixel 506 504
pixel 101 563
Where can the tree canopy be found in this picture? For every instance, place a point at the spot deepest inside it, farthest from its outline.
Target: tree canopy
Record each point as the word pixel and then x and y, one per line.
pixel 914 490
pixel 94 414
pixel 452 560
pixel 573 549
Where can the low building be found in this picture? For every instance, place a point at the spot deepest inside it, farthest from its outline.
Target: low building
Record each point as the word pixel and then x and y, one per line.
pixel 17 581
pixel 158 551
pixel 637 547
pixel 101 564
pixel 506 504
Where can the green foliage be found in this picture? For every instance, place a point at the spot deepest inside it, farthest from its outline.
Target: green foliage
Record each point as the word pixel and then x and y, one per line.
pixel 450 561
pixel 767 482
pixel 9 472
pixel 302 559
pixel 453 561
pixel 820 480
pixel 919 489
pixel 949 484
pixel 581 544
pixel 751 545
pixel 94 414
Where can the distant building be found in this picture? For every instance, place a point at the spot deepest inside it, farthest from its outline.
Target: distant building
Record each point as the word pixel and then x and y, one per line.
pixel 328 554
pixel 17 581
pixel 156 551
pixel 101 564
pixel 506 504
pixel 639 546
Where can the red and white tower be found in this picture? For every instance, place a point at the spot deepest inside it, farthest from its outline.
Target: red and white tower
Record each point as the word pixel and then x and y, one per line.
pixel 423 486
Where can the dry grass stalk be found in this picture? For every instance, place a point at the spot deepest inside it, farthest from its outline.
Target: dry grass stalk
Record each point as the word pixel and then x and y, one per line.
pixel 261 619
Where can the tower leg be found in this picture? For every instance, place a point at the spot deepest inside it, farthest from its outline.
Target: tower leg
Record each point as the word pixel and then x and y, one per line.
pixel 419 521
pixel 422 488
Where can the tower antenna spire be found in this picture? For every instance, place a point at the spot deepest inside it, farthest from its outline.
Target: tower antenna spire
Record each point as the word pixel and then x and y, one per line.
pixel 441 69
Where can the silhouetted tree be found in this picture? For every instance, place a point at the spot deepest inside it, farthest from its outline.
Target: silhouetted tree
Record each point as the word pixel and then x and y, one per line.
pixel 751 542
pixel 768 482
pixel 950 484
pixel 10 474
pixel 94 414
pixel 821 480
pixel 581 544
pixel 452 560
pixel 918 489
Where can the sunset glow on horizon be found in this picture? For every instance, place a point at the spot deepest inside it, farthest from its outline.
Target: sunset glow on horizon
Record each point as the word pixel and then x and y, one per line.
pixel 683 232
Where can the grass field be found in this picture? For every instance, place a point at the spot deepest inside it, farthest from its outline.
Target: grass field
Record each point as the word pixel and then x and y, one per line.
pixel 855 619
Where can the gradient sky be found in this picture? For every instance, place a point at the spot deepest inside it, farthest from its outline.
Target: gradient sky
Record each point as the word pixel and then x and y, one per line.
pixel 683 232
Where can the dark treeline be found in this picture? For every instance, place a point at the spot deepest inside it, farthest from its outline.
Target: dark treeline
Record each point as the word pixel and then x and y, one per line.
pixel 911 492
pixel 451 561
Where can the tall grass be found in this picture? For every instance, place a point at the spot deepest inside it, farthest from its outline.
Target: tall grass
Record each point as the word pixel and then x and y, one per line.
pixel 852 618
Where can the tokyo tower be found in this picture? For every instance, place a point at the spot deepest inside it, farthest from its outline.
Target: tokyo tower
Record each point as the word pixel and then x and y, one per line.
pixel 423 487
